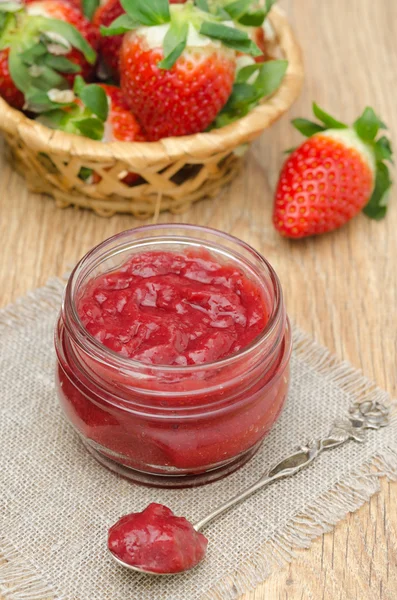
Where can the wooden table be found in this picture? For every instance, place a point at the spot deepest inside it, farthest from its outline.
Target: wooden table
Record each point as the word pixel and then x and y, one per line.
pixel 341 288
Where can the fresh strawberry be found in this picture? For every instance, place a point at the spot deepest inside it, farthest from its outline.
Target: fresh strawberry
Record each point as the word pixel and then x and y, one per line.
pixel 8 90
pixel 87 7
pixel 109 48
pixel 177 70
pixel 121 124
pixel 37 52
pixel 97 111
pixel 331 177
pixel 64 11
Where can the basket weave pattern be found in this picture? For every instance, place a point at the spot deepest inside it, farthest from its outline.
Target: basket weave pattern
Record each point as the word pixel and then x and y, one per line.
pixel 174 172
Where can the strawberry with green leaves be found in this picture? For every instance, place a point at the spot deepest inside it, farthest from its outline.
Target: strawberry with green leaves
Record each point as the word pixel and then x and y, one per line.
pixel 64 11
pixel 38 51
pixel 110 46
pixel 335 174
pixel 96 111
pixel 177 64
pixel 87 7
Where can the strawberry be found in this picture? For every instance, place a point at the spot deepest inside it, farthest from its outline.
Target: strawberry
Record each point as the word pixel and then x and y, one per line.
pixel 97 111
pixel 110 47
pixel 177 68
pixel 63 10
pixel 33 49
pixel 331 177
pixel 8 90
pixel 87 7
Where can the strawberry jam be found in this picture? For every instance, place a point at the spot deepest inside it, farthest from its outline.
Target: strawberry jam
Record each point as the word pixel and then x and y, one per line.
pixel 156 540
pixel 173 309
pixel 173 351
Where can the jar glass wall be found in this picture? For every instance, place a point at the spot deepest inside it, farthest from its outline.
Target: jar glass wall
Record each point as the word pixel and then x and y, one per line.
pixel 172 426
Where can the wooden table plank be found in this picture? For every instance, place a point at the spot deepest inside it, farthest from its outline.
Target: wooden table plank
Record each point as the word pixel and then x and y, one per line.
pixel 341 288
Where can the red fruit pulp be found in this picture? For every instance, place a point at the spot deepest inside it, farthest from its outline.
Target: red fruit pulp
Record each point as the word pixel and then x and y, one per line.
pixel 156 540
pixel 173 309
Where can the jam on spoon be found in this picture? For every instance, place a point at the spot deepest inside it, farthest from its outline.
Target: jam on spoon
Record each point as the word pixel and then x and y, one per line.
pixel 157 541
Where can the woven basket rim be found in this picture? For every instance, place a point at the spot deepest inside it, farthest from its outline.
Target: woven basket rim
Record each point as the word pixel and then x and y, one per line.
pixel 43 139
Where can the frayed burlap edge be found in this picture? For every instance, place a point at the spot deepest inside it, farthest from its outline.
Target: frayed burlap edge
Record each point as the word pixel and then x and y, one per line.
pixel 20 580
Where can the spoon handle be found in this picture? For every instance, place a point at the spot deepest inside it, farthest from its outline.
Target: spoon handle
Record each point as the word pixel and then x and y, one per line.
pixel 365 415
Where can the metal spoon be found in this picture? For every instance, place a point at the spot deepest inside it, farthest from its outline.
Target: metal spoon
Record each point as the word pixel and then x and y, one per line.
pixel 365 415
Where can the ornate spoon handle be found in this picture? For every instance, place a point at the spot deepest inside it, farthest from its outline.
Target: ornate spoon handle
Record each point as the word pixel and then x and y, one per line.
pixel 362 416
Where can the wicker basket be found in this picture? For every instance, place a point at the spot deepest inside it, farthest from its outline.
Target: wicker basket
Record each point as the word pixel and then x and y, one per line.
pixel 174 172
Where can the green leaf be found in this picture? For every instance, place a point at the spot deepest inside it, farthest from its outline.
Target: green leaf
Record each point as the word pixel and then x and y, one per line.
pixel 48 79
pixel 121 25
pixel 78 85
pixel 307 128
pixel 89 7
pixel 271 74
pixel 202 5
pixel 368 125
pixel 94 97
pixel 53 119
pixel 230 37
pixel 383 149
pixel 32 54
pixel 71 34
pixel 325 118
pixel 90 127
pixel 4 18
pixel 39 102
pixel 240 11
pixel 148 12
pixel 61 64
pixel 253 19
pixel 85 173
pixel 18 70
pixel 174 43
pixel 245 73
pixel 245 96
pixel 377 206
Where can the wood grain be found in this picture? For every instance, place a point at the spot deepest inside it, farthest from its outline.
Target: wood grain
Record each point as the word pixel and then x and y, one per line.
pixel 341 288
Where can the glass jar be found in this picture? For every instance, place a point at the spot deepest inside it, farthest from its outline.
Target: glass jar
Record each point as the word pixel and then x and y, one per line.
pixel 172 426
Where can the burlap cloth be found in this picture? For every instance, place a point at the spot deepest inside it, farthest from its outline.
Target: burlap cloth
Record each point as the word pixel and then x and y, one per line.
pixel 56 502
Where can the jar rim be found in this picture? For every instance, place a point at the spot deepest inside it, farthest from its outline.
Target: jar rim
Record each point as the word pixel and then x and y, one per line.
pixel 102 353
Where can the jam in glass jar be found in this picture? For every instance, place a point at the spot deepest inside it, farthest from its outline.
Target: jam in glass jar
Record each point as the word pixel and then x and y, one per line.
pixel 173 350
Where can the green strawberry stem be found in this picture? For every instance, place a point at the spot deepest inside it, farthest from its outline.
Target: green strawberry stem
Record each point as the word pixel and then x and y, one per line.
pixel 150 13
pixel 245 12
pixel 366 127
pixel 33 67
pixel 86 117
pixel 247 94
